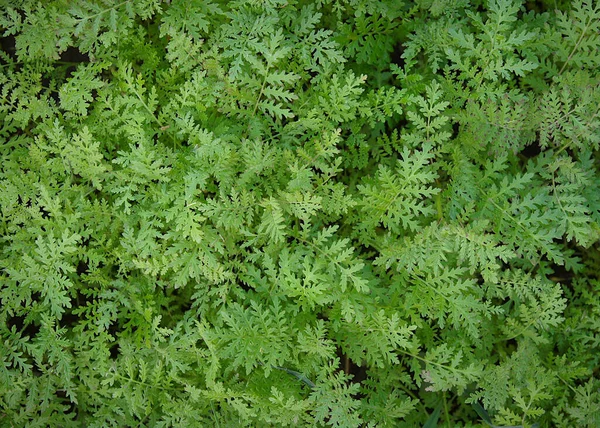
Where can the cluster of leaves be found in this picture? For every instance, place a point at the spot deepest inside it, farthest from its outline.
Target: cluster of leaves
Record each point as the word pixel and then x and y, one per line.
pixel 299 213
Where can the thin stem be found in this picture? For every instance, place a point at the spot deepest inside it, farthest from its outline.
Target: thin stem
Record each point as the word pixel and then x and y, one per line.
pixel 103 11
pixel 575 47
pixel 212 407
pixel 447 415
pixel 564 146
pixel 262 88
pixel 413 396
pixel 147 385
pixel 455 370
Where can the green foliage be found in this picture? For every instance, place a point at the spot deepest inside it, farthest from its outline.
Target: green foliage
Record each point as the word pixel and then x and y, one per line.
pixel 291 213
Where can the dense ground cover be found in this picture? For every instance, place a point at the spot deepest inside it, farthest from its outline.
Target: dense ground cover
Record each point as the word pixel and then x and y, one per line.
pixel 299 213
